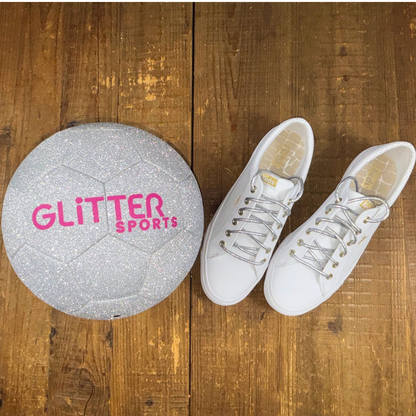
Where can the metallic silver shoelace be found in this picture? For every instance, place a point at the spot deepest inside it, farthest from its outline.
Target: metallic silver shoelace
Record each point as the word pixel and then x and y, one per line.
pixel 259 209
pixel 348 223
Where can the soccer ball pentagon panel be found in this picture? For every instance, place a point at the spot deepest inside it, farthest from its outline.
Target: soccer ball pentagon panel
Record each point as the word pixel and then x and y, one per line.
pixel 102 220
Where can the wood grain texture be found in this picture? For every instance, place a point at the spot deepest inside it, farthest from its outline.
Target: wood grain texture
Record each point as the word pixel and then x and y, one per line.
pixel 336 66
pixel 212 79
pixel 151 350
pixel 80 350
pixel 404 35
pixel 29 109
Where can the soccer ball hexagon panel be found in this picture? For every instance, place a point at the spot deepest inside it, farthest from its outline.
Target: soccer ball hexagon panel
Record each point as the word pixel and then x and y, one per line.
pixel 102 220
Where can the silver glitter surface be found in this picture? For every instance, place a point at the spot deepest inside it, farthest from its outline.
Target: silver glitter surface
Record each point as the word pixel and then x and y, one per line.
pixel 49 279
pixel 118 224
pixel 45 157
pixel 160 154
pixel 97 272
pixel 14 223
pixel 105 154
pixel 193 211
pixel 167 265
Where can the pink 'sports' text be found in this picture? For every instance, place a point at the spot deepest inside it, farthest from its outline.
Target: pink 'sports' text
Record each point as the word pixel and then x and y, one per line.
pixel 141 217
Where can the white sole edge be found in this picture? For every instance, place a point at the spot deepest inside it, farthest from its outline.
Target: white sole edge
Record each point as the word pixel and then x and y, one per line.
pixel 270 300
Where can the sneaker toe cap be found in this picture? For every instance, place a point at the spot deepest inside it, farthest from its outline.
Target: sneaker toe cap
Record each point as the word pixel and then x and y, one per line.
pixel 293 290
pixel 228 280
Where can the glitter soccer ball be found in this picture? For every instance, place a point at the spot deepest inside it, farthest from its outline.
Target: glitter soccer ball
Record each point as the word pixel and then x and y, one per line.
pixel 102 220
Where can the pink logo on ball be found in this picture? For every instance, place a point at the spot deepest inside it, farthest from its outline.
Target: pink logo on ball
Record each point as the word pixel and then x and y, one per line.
pixel 151 218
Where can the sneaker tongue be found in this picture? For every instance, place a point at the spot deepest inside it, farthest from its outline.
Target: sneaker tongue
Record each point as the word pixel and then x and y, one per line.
pixel 274 186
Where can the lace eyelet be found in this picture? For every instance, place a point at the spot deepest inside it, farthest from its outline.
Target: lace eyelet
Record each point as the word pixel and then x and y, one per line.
pixel 329 277
pixel 291 253
pixel 308 231
pixel 350 243
pixel 222 243
pixel 300 242
pixel 342 254
pixel 228 233
pixel 317 222
pixel 290 201
pixel 240 212
pixel 328 211
pixel 268 250
pixel 234 221
pixel 339 200
pixel 274 239
pixel 246 201
pixel 358 232
pixel 335 265
pixel 365 220
pixel 253 190
pixel 264 260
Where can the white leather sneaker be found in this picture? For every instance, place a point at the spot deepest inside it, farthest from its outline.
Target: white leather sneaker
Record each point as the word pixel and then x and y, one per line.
pixel 314 261
pixel 240 239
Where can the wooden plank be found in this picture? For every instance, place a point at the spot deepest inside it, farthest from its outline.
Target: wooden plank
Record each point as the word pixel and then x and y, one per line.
pixel 348 69
pixel 241 91
pixel 108 61
pixel 29 112
pixel 404 31
pixel 80 350
pixel 151 350
pixel 256 65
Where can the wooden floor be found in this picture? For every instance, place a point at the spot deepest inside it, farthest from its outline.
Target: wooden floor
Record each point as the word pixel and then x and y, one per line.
pixel 212 79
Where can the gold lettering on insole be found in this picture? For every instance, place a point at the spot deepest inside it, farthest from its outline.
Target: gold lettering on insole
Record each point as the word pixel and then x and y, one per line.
pixel 283 154
pixel 371 178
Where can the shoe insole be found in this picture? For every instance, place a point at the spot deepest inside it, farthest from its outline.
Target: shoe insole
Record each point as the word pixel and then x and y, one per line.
pixel 284 154
pixel 377 177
